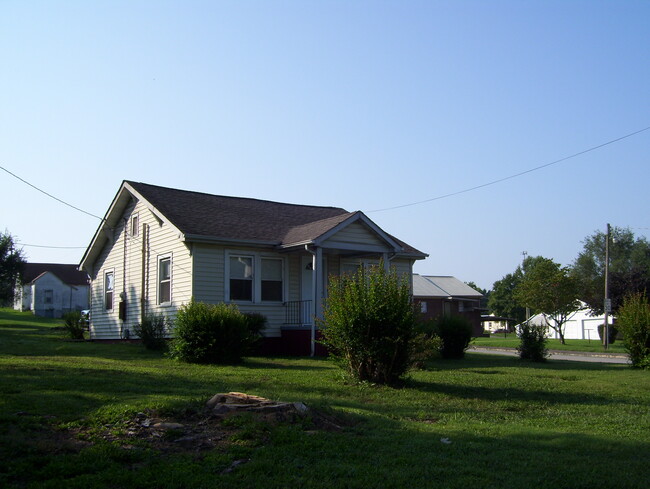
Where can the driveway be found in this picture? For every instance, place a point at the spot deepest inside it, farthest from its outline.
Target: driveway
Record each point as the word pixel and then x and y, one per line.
pixel 573 356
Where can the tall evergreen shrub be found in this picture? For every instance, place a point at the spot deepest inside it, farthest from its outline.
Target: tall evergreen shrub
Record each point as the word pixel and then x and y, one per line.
pixel 212 333
pixel 532 342
pixel 634 323
pixel 369 324
pixel 455 333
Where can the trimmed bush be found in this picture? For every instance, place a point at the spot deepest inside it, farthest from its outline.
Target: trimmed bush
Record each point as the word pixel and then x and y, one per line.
pixel 369 324
pixel 73 326
pixel 634 323
pixel 152 331
pixel 455 333
pixel 212 333
pixel 532 344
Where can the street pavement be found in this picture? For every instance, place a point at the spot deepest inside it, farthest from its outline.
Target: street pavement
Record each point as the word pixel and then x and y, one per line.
pixel 573 356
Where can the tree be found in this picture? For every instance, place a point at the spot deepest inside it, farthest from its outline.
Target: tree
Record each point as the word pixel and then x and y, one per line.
pixel 502 301
pixel 550 289
pixel 629 269
pixel 486 294
pixel 12 263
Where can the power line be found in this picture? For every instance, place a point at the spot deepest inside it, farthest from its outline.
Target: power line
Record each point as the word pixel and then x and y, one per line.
pixel 593 148
pixel 54 247
pixel 50 195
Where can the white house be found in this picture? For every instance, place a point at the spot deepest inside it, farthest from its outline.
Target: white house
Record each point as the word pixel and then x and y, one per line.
pixel 51 289
pixel 159 247
pixel 581 325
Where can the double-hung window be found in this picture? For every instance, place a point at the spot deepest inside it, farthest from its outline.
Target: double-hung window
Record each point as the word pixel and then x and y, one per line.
pixel 255 278
pixel 109 288
pixel 241 278
pixel 164 279
pixel 271 280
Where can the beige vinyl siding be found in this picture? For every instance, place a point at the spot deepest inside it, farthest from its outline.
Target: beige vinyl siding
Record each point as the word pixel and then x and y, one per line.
pixel 210 278
pixel 126 262
pixel 357 235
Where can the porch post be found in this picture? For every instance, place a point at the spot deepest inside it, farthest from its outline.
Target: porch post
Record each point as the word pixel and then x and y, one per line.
pixel 317 283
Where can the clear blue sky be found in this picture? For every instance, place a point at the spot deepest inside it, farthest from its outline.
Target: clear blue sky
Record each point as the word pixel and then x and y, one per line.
pixel 357 104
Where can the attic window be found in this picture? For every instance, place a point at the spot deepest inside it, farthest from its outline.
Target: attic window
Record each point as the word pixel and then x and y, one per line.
pixel 135 225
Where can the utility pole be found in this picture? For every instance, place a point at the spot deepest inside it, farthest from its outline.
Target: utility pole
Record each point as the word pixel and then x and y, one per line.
pixel 607 306
pixel 525 253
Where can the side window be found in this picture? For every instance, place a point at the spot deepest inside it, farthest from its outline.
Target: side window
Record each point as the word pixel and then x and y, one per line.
pixel 109 287
pixel 241 278
pixel 164 280
pixel 48 296
pixel 271 279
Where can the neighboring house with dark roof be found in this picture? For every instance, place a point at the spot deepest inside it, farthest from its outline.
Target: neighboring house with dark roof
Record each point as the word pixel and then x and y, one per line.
pixel 446 295
pixel 51 289
pixel 159 247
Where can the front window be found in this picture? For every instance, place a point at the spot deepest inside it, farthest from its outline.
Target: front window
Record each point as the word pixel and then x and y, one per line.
pixel 109 287
pixel 241 278
pixel 271 279
pixel 164 280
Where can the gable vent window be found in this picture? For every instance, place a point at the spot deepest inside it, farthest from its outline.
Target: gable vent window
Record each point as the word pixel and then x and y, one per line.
pixel 271 279
pixel 109 287
pixel 241 278
pixel 164 280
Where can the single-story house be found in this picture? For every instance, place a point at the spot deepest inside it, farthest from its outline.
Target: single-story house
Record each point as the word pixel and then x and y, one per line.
pixel 157 248
pixel 446 295
pixel 581 325
pixel 51 289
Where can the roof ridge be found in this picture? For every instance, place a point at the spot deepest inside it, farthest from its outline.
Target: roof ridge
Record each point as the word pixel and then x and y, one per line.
pixel 132 182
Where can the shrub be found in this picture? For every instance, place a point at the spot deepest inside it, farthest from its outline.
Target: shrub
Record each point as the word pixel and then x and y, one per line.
pixel 209 333
pixel 369 324
pixel 73 326
pixel 455 333
pixel 634 323
pixel 152 331
pixel 613 333
pixel 532 344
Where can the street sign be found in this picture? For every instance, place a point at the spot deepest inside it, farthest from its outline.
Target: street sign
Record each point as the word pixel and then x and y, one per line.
pixel 608 306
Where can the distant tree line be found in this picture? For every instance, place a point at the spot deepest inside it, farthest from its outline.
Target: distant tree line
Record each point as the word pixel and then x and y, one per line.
pixel 545 286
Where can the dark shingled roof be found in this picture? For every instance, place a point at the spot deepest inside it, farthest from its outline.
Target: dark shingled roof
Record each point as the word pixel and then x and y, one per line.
pixel 237 218
pixel 68 274
pixel 217 216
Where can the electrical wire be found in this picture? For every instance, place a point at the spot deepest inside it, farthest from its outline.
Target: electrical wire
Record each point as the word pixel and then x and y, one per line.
pixel 54 247
pixel 593 148
pixel 50 195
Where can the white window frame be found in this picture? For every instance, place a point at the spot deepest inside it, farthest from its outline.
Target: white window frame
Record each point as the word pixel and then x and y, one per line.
pixel 135 225
pixel 160 258
pixel 256 276
pixel 110 271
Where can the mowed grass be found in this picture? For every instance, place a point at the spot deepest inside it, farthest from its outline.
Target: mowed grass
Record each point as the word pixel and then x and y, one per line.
pixel 510 340
pixel 483 421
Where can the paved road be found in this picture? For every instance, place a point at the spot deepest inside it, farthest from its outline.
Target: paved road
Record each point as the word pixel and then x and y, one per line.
pixel 559 355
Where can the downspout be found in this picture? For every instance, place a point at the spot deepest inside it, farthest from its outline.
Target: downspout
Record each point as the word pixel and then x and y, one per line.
pixel 143 283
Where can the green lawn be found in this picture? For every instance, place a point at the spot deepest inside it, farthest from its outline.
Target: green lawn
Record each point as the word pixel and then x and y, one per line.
pixel 509 424
pixel 510 340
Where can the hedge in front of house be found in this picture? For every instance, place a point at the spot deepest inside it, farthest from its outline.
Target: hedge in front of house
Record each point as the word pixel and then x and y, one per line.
pixel 212 333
